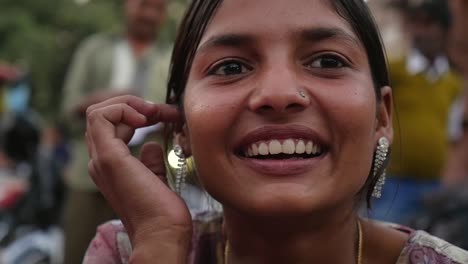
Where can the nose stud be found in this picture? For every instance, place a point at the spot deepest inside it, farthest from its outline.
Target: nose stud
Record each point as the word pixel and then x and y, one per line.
pixel 302 94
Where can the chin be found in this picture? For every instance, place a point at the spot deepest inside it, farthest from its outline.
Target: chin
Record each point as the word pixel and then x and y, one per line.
pixel 287 203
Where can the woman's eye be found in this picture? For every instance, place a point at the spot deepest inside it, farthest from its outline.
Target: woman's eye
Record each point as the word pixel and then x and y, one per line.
pixel 229 68
pixel 328 62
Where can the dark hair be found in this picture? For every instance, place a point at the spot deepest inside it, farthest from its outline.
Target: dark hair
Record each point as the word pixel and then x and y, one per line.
pixel 200 13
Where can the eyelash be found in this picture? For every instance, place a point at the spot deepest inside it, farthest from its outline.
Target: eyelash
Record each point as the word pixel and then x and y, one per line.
pixel 336 58
pixel 218 66
pixel 342 63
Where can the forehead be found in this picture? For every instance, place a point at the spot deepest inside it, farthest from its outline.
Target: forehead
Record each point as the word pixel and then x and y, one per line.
pixel 271 18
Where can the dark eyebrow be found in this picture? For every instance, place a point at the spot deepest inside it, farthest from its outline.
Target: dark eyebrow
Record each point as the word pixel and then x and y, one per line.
pixel 227 40
pixel 310 35
pixel 324 33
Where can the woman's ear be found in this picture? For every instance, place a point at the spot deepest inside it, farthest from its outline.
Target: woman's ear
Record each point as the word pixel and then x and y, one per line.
pixel 182 139
pixel 384 124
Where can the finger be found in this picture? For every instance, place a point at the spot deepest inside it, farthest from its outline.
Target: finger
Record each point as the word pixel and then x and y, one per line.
pixel 105 124
pixel 104 184
pixel 155 112
pixel 92 171
pixel 152 156
pixel 89 145
pixel 123 99
pixel 127 175
pixel 124 132
pixel 163 113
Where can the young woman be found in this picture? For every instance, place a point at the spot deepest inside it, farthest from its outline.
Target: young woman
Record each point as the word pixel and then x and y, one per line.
pixel 286 111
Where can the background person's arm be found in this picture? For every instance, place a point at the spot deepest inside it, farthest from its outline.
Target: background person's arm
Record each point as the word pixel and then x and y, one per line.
pixel 456 170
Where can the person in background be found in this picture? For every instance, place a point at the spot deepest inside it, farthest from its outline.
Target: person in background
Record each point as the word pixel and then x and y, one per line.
pixel 445 214
pixel 8 73
pixel 20 124
pixel 15 90
pixel 425 89
pixel 106 65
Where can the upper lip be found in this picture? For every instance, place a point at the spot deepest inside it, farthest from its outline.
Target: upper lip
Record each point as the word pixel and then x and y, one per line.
pixel 279 132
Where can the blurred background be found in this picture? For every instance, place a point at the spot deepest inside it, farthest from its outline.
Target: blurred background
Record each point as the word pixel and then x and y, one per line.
pixel 40 38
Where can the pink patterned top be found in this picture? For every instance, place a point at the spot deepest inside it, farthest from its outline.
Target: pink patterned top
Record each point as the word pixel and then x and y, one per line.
pixel 112 246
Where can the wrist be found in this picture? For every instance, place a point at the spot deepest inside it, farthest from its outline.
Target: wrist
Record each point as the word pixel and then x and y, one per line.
pixel 167 248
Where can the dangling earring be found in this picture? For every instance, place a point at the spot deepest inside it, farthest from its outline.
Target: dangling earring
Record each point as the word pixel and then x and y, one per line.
pixel 380 158
pixel 181 170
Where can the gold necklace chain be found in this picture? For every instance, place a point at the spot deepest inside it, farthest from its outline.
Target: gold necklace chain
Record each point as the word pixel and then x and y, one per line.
pixel 359 250
pixel 360 238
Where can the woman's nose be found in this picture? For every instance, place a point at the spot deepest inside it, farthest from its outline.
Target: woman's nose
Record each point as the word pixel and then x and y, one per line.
pixel 279 91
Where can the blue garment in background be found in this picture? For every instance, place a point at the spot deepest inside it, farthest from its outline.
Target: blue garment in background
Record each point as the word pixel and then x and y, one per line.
pixel 401 199
pixel 17 97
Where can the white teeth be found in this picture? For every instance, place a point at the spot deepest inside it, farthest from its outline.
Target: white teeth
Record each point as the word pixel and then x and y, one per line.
pixel 289 147
pixel 314 149
pixel 249 152
pixel 254 149
pixel 300 147
pixel 309 147
pixel 263 149
pixel 275 147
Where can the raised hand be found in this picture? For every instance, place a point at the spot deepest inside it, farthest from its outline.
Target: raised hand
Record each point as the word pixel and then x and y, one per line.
pixel 157 220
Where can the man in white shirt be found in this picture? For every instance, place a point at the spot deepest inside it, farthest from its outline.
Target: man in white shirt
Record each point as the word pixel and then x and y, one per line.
pixel 106 65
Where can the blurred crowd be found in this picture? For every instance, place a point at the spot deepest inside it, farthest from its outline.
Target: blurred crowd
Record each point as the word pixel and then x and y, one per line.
pixel 425 179
pixel 50 208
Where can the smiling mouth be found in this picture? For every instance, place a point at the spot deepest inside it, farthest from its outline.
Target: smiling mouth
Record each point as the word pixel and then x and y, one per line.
pixel 282 149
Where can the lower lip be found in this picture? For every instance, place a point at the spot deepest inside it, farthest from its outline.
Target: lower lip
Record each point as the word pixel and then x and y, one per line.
pixel 289 167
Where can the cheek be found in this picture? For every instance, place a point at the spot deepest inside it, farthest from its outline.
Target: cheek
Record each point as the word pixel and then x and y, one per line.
pixel 353 110
pixel 210 118
pixel 208 127
pixel 212 111
pixel 208 115
pixel 352 124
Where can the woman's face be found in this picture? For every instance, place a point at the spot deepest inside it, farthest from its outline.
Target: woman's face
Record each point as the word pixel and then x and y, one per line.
pixel 289 79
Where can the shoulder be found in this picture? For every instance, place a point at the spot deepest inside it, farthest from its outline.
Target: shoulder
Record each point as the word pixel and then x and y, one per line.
pixel 418 246
pixel 163 54
pixel 424 248
pixel 163 48
pixel 97 41
pixel 111 244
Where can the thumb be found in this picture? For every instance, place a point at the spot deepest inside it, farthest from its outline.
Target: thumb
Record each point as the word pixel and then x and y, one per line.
pixel 152 156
